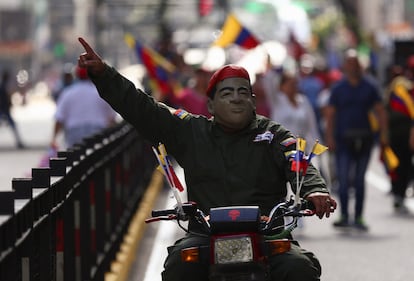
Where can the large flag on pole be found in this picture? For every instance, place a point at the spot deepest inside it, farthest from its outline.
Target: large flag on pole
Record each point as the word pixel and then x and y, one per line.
pixel 402 101
pixel 159 69
pixel 233 32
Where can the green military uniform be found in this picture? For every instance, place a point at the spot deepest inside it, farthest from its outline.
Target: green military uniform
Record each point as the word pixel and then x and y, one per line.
pixel 221 169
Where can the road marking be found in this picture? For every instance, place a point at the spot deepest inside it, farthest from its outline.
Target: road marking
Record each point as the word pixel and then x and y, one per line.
pixel 166 236
pixel 378 181
pixel 381 181
pixel 167 231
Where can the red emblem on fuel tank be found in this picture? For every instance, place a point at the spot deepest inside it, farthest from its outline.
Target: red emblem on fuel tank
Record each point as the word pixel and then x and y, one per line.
pixel 234 214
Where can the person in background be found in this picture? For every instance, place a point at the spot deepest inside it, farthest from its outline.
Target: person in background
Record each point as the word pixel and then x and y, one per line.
pixel 349 134
pixel 262 102
pixel 5 106
pixel 400 108
pixel 193 98
pixel 80 112
pixel 64 82
pixel 293 110
pixel 327 160
pixel 234 158
pixel 311 86
pixel 270 79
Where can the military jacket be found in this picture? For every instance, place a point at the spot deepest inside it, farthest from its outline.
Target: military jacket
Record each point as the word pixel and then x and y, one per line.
pixel 221 169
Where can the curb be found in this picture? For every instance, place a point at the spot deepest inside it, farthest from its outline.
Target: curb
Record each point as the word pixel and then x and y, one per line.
pixel 125 257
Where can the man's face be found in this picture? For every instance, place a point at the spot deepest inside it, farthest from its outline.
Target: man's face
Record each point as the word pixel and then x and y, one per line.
pixel 233 105
pixel 290 86
pixel 352 67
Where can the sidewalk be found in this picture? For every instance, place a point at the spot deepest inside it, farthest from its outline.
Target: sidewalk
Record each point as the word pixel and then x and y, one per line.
pixel 35 124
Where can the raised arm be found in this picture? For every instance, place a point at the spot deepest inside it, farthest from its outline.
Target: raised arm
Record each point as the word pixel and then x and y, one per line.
pixel 154 120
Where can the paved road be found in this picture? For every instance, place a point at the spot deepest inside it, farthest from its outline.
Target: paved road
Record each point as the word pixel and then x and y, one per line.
pixel 385 253
pixel 35 124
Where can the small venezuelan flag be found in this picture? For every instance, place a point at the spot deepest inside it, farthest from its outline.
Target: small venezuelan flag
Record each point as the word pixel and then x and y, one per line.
pixel 166 167
pixel 317 150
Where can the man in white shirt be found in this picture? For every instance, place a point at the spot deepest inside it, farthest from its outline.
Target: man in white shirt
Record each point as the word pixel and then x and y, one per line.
pixel 80 112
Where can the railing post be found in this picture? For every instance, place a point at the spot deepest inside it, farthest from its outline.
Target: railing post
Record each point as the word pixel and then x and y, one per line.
pixel 24 220
pixel 7 203
pixel 8 257
pixel 44 198
pixel 71 227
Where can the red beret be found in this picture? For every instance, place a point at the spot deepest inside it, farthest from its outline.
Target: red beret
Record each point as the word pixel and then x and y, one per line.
pixel 227 71
pixel 81 73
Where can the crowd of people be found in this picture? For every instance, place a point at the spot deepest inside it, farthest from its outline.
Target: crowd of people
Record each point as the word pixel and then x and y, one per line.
pixel 347 109
pixel 6 105
pixel 334 106
pixel 237 157
pixel 207 127
pixel 401 130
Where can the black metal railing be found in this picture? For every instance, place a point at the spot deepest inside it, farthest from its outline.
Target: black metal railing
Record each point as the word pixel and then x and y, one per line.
pixel 68 220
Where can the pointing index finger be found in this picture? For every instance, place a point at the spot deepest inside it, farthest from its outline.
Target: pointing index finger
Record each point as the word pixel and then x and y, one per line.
pixel 86 46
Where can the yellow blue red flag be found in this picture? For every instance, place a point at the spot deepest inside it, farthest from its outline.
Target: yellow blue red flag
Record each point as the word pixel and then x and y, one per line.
pixel 288 141
pixel 389 159
pixel 300 147
pixel 300 161
pixel 317 150
pixel 402 101
pixel 166 167
pixel 233 32
pixel 159 69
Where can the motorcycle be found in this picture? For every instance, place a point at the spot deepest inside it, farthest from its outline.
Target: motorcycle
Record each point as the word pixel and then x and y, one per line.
pixel 241 239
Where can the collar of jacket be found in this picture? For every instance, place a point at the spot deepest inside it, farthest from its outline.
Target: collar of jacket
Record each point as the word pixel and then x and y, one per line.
pixel 252 127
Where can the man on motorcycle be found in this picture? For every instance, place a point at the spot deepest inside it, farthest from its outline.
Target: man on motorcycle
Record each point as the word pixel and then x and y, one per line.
pixel 234 158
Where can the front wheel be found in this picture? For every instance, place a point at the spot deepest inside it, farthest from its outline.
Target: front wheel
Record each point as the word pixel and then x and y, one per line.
pixel 239 272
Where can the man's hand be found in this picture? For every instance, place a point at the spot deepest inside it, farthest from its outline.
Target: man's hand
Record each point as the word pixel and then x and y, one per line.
pixel 90 60
pixel 323 202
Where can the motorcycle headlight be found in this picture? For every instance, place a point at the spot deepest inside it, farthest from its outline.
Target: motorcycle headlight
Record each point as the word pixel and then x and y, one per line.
pixel 233 250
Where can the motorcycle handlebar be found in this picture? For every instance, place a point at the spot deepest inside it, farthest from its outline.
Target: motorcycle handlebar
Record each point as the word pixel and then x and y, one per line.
pixel 190 210
pixel 161 213
pixel 308 205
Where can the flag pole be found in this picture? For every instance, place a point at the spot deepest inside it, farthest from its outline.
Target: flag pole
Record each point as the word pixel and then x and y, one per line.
pixel 163 152
pixel 168 175
pixel 297 198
